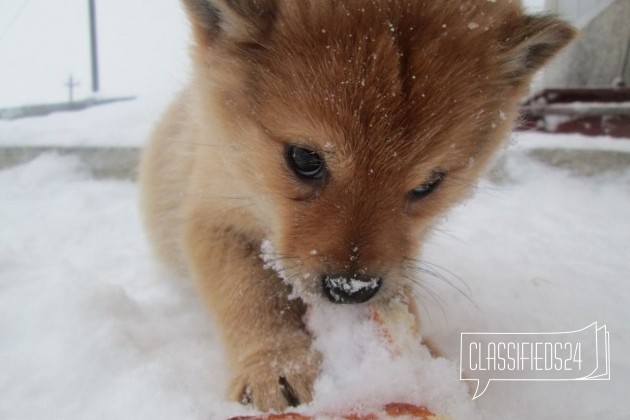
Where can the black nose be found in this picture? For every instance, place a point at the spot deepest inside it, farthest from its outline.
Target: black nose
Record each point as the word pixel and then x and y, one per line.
pixel 355 289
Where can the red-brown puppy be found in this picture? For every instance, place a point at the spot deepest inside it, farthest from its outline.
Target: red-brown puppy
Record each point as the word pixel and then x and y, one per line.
pixel 336 130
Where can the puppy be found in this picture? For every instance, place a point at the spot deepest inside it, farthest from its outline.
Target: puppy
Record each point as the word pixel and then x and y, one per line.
pixel 335 132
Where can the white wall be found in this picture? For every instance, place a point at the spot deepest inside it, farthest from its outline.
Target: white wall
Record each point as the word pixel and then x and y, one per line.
pixel 577 11
pixel 595 58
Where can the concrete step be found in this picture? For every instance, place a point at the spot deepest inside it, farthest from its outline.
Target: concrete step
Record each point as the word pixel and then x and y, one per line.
pixel 103 162
pixel 122 162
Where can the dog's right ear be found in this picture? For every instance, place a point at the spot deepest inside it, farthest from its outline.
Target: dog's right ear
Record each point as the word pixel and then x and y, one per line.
pixel 239 20
pixel 531 42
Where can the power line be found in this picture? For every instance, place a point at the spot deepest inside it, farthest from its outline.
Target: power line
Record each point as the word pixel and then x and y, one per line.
pixel 15 19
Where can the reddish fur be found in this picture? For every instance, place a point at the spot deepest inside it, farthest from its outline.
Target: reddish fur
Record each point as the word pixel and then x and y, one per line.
pixel 388 92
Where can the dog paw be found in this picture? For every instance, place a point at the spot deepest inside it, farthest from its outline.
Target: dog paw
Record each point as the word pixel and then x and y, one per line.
pixel 276 380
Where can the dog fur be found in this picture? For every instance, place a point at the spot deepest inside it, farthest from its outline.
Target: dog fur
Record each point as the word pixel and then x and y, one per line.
pixel 387 91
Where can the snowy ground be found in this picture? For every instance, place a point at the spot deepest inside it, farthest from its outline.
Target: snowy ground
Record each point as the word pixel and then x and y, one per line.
pixel 90 327
pixel 125 124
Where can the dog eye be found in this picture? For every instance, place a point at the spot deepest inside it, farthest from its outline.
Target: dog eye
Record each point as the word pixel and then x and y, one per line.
pixel 306 163
pixel 428 187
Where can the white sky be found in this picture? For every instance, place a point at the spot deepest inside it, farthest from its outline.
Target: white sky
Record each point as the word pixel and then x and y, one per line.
pixel 142 48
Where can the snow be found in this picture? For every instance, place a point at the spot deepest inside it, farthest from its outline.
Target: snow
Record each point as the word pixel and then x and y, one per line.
pixel 364 371
pixel 91 327
pixel 534 140
pixel 126 124
pixel 351 286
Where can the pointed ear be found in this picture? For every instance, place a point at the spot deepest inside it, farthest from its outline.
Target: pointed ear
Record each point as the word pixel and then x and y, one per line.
pixel 239 20
pixel 532 43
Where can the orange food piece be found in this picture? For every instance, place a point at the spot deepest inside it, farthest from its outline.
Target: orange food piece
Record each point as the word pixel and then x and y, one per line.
pixel 392 410
pixel 285 416
pixel 414 411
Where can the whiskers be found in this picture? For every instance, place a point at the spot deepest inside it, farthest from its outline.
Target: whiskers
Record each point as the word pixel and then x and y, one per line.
pixel 197 143
pixel 233 202
pixel 426 279
pixel 282 266
pixel 477 187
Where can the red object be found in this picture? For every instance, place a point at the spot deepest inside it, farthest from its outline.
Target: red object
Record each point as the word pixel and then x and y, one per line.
pixel 592 112
pixel 392 410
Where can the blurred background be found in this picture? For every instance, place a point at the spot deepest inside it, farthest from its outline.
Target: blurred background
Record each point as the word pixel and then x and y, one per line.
pixel 73 54
pixel 141 49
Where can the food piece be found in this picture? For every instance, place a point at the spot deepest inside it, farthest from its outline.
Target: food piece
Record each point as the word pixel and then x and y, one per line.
pixel 394 410
pixel 398 323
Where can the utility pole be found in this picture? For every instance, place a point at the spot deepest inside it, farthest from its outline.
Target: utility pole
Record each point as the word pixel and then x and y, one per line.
pixel 71 84
pixel 93 46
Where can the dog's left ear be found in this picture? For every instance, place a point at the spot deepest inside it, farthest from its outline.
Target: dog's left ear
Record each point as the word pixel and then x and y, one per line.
pixel 237 20
pixel 532 43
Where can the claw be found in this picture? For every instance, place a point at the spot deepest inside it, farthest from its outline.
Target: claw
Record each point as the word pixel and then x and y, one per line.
pixel 288 392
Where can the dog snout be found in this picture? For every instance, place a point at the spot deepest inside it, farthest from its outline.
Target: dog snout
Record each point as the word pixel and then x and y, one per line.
pixel 350 289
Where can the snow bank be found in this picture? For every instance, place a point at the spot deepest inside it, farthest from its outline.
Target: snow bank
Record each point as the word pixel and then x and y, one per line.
pixel 125 124
pixel 91 328
pixel 542 252
pixel 534 140
pixel 364 368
